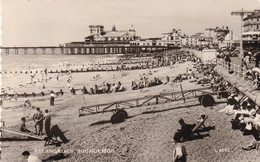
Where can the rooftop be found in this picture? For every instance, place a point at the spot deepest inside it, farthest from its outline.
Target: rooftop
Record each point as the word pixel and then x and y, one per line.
pixel 256 14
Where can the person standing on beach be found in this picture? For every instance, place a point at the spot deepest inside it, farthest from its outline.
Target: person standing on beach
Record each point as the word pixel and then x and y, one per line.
pixel 38 119
pixel 228 60
pixel 45 71
pixel 257 59
pixel 15 96
pixel 52 98
pixel 47 118
pixel 246 60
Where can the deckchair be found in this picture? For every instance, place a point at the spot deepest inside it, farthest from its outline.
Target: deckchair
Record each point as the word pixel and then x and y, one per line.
pixel 55 132
pixel 15 130
pixel 199 124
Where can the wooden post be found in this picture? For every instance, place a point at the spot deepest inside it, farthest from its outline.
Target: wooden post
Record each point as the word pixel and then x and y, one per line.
pixel 182 93
pixel 156 98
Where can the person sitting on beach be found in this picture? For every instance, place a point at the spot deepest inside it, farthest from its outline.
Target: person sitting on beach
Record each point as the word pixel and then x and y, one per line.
pixel 95 89
pixel 141 85
pixel 91 91
pixel 27 103
pixel 158 81
pixel 30 158
pixel 84 90
pixel 121 88
pixel 186 129
pixel 23 126
pixel 134 86
pixel 107 88
pixel 245 111
pixel 118 86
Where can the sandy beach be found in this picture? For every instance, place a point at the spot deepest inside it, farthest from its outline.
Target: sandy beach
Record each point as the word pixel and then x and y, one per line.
pixel 147 135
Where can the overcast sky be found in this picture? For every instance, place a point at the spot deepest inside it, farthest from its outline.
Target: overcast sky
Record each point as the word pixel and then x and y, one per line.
pixel 53 22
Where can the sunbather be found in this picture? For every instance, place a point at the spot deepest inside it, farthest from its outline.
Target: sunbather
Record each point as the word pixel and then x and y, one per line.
pixel 186 129
pixel 23 126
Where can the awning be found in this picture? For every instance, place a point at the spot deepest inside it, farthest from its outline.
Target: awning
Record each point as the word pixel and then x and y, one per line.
pixel 252 33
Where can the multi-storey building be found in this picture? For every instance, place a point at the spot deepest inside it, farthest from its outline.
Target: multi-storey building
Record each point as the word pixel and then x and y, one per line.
pixel 223 37
pixel 251 30
pixel 171 39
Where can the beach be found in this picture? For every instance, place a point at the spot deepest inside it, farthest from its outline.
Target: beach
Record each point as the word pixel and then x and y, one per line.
pixel 147 135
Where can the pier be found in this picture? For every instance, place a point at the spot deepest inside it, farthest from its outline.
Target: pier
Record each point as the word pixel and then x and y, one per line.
pixel 90 49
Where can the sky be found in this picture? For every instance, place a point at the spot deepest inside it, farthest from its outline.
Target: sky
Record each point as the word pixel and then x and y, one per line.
pixel 54 22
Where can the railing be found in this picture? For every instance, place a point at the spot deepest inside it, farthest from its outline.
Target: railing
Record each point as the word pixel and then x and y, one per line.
pixel 146 100
pixel 238 71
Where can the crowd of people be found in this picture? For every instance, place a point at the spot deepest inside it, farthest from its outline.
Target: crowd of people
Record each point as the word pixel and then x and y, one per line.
pixel 145 82
pixel 105 88
pixel 38 118
pixel 246 116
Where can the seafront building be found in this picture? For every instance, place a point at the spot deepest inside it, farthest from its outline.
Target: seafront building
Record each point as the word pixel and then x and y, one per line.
pixel 114 41
pixel 223 37
pixel 111 42
pixel 171 39
pixel 251 30
pixel 98 35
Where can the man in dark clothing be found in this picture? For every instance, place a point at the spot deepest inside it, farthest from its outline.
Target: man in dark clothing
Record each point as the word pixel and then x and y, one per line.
pixel 228 60
pixel 47 118
pixel 257 59
pixel 186 129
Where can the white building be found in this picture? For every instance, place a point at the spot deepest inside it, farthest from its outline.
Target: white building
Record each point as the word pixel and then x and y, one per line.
pixel 173 38
pixel 98 34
